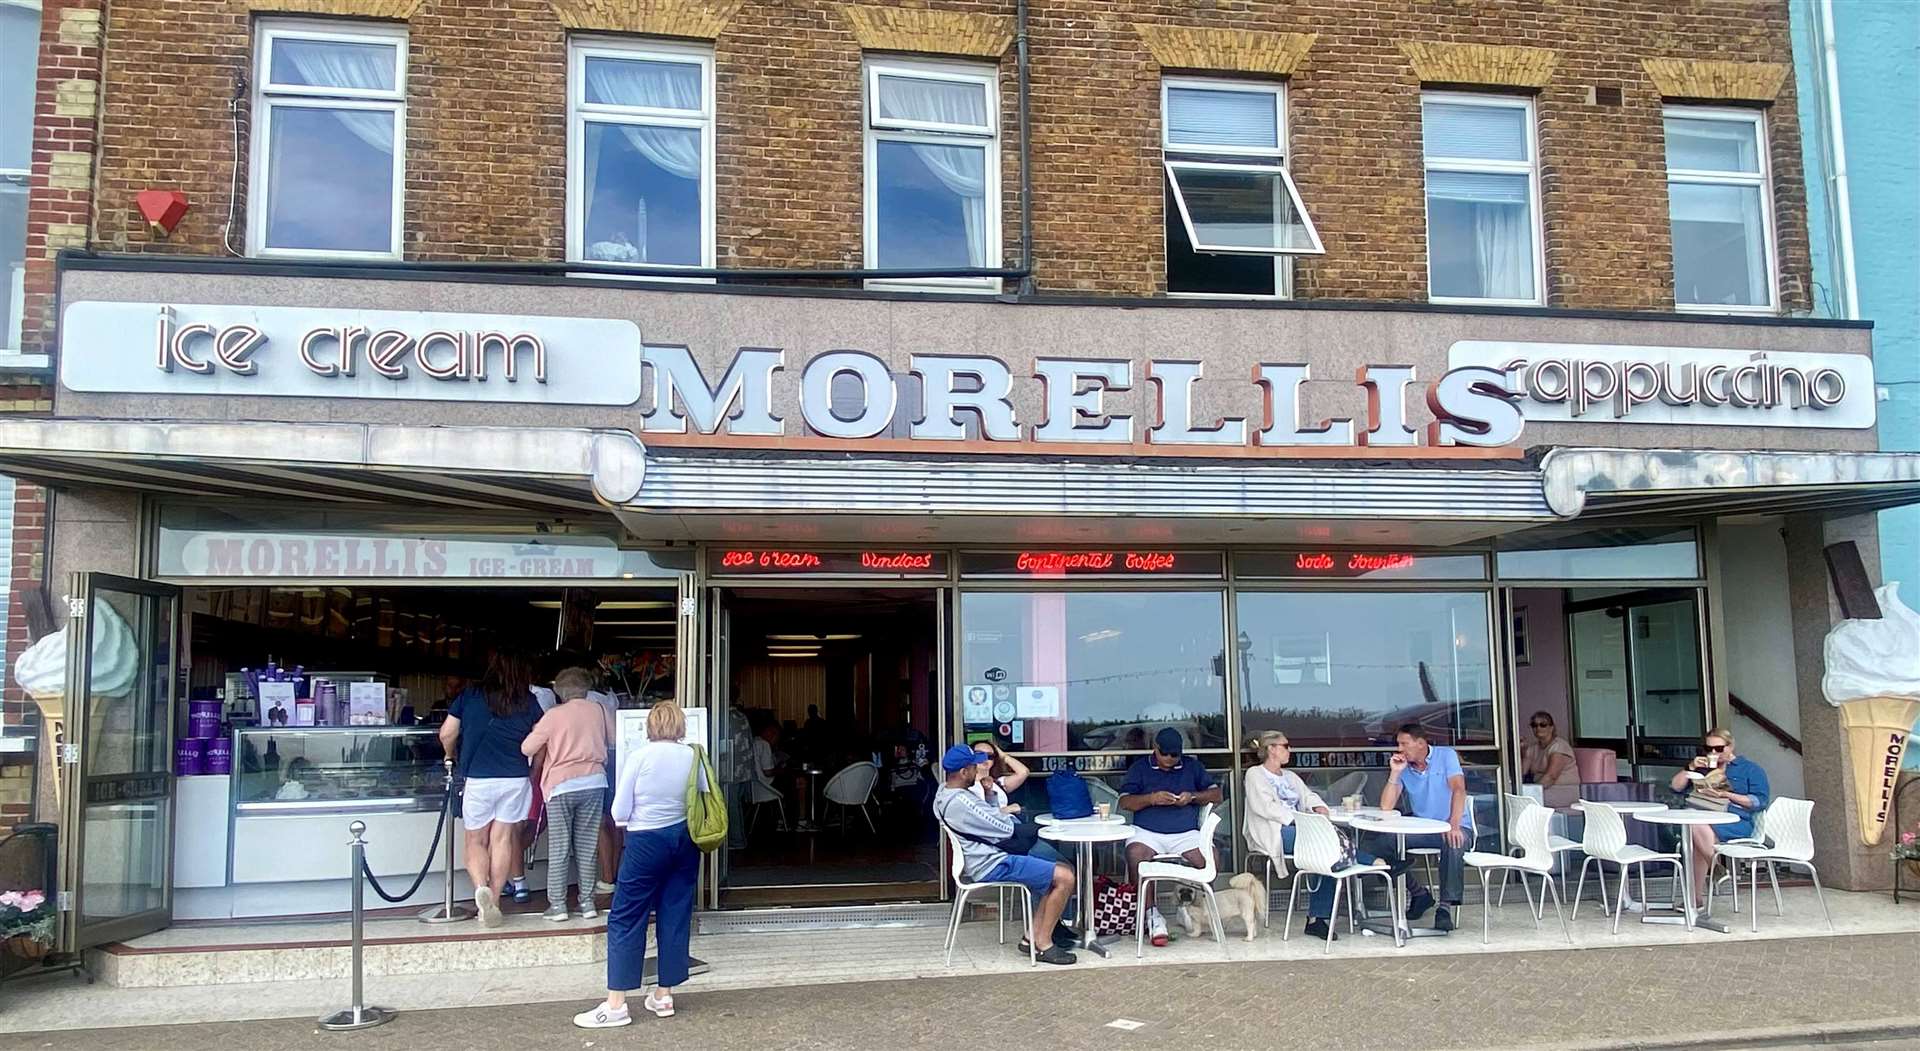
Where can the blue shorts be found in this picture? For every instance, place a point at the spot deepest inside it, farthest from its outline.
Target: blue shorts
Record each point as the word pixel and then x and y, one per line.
pixel 1018 868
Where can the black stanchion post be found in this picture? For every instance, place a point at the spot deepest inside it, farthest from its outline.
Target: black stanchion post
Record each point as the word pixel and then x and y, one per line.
pixel 358 1016
pixel 447 911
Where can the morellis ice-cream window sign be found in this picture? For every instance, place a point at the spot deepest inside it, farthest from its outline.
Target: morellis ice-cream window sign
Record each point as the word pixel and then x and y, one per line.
pixel 1489 392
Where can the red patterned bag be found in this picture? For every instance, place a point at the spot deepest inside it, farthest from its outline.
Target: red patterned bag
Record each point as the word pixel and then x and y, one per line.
pixel 1112 907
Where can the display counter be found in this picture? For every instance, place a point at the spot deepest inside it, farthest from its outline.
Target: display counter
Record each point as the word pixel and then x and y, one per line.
pixel 271 838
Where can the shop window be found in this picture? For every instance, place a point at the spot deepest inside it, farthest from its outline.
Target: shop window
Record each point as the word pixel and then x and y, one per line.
pixel 1721 211
pixel 1599 554
pixel 1233 215
pixel 1090 671
pixel 329 140
pixel 1347 669
pixel 932 172
pixel 640 154
pixel 1483 199
pixel 19 57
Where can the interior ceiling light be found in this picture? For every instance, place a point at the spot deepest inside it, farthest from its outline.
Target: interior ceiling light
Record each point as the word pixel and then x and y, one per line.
pixel 841 638
pixel 629 623
pixel 551 603
pixel 791 655
pixel 796 638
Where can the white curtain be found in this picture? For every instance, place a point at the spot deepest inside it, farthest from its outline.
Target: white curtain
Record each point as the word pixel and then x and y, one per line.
pixel 961 169
pixel 1504 248
pixel 656 85
pixel 335 65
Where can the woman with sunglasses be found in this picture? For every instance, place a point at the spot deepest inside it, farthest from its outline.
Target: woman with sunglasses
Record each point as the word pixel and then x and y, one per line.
pixel 1720 780
pixel 1547 761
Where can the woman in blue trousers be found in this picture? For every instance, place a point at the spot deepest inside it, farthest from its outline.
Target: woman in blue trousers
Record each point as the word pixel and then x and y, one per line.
pixel 658 872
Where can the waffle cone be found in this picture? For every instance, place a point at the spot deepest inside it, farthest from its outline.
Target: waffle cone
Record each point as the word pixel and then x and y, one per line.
pixel 1877 729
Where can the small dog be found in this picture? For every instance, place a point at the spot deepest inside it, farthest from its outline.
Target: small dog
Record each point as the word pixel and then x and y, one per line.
pixel 1245 898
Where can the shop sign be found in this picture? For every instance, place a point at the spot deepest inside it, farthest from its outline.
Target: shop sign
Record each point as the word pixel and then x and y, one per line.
pixel 1332 563
pixel 1469 405
pixel 775 562
pixel 1056 563
pixel 314 352
pixel 1611 383
pixel 221 554
pixel 1087 764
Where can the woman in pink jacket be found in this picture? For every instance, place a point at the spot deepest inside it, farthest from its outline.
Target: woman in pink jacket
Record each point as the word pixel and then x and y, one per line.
pixel 569 746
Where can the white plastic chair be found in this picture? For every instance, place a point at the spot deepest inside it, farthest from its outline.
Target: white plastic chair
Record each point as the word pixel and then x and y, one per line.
pixel 962 888
pixel 1341 787
pixel 1316 852
pixel 1152 872
pixel 1606 840
pixel 1789 827
pixel 853 787
pixel 760 793
pixel 1536 859
pixel 1759 838
pixel 1520 804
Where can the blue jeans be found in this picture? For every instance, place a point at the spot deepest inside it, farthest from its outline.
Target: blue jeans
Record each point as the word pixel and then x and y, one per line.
pixel 658 874
pixel 1320 891
pixel 1451 864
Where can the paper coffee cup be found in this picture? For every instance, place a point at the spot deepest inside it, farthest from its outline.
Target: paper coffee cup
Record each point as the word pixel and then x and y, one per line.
pixel 1877 730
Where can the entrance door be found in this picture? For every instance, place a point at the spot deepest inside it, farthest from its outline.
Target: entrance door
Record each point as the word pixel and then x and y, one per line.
pixel 1637 684
pixel 121 675
pixel 834 698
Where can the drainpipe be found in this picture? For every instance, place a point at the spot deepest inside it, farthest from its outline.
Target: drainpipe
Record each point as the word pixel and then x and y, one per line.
pixel 1026 153
pixel 1841 202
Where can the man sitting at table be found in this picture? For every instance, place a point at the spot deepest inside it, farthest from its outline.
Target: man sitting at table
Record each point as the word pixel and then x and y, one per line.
pixel 1165 791
pixel 1435 787
pixel 982 828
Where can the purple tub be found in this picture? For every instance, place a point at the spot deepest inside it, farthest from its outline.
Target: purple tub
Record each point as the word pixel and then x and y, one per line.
pixel 189 757
pixel 219 756
pixel 203 719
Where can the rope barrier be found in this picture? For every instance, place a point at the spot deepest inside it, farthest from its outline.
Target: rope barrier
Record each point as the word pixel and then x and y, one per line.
pixel 439 826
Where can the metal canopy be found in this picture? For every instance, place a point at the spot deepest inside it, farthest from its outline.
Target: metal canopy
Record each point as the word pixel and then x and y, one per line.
pixel 477 469
pixel 1682 483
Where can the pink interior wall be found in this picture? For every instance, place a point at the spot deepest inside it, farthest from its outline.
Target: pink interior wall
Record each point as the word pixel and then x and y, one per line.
pixel 1542 685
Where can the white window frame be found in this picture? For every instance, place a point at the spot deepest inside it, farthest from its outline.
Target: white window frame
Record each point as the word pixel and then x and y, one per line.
pixel 877 130
pixel 266 96
pixel 1530 168
pixel 1762 179
pixel 10 341
pixel 580 112
pixel 1277 158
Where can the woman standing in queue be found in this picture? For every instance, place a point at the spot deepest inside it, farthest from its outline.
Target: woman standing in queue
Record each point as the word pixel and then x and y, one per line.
pixel 658 872
pixel 488 723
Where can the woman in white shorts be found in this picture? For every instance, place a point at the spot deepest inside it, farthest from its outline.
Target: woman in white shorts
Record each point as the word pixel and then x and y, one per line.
pixel 487 723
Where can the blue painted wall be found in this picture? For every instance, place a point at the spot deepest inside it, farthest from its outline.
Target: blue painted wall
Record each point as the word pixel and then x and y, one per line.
pixel 1878 45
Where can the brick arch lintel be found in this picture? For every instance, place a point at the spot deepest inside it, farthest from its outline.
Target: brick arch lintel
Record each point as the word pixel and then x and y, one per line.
pixel 390 10
pixel 1224 50
pixel 1493 65
pixel 686 19
pixel 1696 78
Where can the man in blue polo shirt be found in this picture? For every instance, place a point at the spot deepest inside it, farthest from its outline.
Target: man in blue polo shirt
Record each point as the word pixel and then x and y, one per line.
pixel 1165 791
pixel 1435 786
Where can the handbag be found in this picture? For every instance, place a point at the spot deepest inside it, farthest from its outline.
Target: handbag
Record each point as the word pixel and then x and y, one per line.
pixel 706 805
pixel 1113 905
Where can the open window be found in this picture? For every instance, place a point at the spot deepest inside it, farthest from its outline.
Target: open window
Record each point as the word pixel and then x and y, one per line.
pixel 1233 212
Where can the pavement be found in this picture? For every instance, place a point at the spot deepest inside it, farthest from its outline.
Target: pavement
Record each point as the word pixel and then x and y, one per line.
pixel 1860 991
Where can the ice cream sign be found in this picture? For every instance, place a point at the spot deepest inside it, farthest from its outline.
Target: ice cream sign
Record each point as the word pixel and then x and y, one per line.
pixel 1873 677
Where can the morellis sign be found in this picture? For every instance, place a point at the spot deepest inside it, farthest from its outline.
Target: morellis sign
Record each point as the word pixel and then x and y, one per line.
pixel 1485 397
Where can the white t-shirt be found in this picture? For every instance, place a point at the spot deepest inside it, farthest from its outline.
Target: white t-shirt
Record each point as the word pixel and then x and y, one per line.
pixel 1294 794
pixel 653 786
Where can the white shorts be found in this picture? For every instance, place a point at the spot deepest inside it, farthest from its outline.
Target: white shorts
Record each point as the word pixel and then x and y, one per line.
pixel 1168 842
pixel 489 799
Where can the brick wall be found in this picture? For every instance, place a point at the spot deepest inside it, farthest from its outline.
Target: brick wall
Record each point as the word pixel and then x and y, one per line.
pixel 486 131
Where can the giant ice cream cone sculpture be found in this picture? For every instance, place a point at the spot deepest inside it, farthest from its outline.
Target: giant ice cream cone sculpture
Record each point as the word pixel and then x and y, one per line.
pixel 1873 677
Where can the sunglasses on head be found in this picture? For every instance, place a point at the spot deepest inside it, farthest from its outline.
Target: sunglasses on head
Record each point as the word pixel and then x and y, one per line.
pixel 1716 748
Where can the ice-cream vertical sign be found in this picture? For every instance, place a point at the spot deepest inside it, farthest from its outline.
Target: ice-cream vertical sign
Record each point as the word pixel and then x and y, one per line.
pixel 1873 677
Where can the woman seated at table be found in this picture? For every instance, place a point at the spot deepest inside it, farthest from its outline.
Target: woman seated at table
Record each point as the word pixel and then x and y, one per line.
pixel 1548 761
pixel 1274 794
pixel 1720 780
pixel 996 781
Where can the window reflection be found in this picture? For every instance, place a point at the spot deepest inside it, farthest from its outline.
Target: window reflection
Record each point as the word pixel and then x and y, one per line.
pixel 332 186
pixel 1093 671
pixel 1345 670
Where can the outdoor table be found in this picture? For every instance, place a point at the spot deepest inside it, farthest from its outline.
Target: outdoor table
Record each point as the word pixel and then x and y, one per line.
pixel 1395 824
pixel 1686 819
pixel 1624 806
pixel 1043 820
pixel 1087 832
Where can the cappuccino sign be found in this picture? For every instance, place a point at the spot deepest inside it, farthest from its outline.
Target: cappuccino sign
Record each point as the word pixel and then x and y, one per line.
pixel 310 352
pixel 1605 383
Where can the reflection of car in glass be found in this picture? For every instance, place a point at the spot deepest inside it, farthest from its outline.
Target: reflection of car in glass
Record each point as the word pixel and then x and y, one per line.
pixel 1447 722
pixel 1132 737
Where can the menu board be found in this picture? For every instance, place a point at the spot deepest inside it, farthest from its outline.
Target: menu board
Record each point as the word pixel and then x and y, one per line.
pixel 630 731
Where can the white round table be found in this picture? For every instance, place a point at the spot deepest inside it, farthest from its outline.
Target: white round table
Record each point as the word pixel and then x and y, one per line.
pixel 1624 806
pixel 1086 832
pixel 1043 820
pixel 1687 819
pixel 1400 826
pixel 1343 816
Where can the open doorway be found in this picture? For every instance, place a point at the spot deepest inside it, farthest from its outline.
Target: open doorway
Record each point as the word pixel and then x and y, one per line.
pixel 830 723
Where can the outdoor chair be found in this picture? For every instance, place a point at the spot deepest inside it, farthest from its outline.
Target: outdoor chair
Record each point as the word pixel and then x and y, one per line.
pixel 1536 859
pixel 1152 872
pixel 853 787
pixel 1783 835
pixel 1606 841
pixel 1316 852
pixel 962 889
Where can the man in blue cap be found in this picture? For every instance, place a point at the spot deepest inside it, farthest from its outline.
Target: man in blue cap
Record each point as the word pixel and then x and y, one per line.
pixel 983 829
pixel 1165 790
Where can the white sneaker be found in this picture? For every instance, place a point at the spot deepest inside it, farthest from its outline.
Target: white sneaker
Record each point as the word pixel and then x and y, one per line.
pixel 603 1017
pixel 601 886
pixel 1156 927
pixel 662 1006
pixel 589 913
pixel 489 906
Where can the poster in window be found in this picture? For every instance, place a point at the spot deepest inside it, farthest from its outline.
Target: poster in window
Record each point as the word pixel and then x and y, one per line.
pixel 1303 660
pixel 976 705
pixel 1522 644
pixel 1037 702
